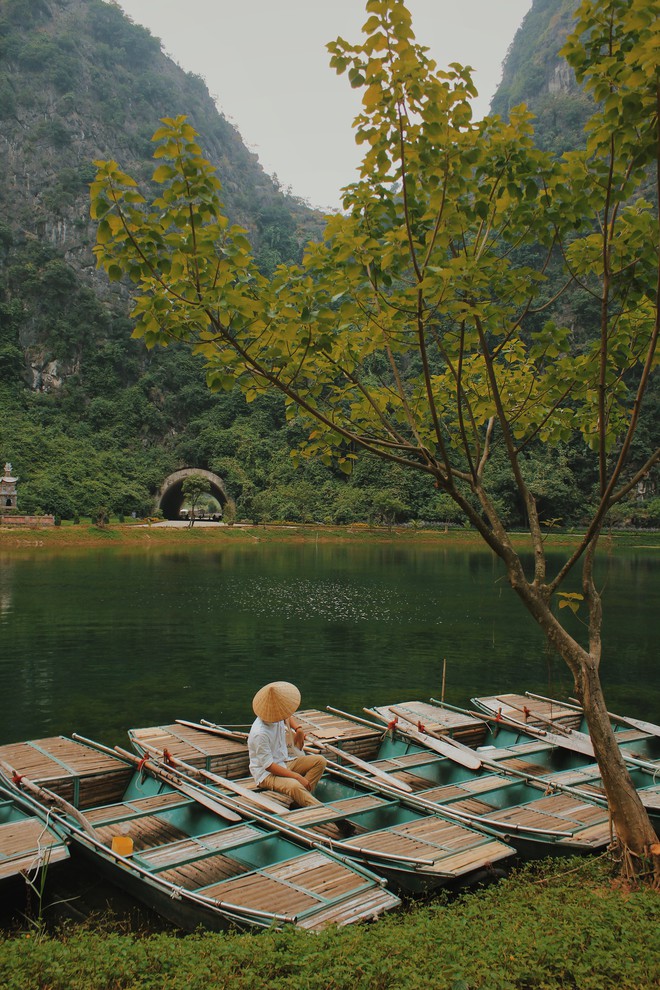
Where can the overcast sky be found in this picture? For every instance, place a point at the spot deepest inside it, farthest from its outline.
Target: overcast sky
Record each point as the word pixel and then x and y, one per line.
pixel 265 64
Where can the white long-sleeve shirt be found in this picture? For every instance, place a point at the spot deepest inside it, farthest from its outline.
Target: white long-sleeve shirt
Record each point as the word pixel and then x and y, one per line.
pixel 266 745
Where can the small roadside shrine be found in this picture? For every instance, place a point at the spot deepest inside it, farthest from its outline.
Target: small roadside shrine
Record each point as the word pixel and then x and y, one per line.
pixel 7 489
pixel 9 515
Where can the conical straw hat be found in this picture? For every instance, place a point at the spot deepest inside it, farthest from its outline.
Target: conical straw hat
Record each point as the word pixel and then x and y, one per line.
pixel 276 701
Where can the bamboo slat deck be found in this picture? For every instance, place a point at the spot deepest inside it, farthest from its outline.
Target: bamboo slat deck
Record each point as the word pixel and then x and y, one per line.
pixel 528 767
pixel 630 735
pixel 338 809
pixel 588 823
pixel 294 887
pixel 81 775
pixel 477 785
pixel 26 844
pixel 304 884
pixel 464 728
pixel 363 905
pixel 127 809
pixel 651 797
pixel 397 766
pixel 145 832
pixel 393 763
pixel 204 750
pixel 495 752
pixel 541 712
pixel 199 873
pixel 449 848
pixel 357 739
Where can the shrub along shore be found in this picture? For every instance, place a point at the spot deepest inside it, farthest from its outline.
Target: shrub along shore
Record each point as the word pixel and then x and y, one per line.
pixel 145 536
pixel 552 926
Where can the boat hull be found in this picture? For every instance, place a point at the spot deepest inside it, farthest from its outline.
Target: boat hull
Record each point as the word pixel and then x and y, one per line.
pixel 193 860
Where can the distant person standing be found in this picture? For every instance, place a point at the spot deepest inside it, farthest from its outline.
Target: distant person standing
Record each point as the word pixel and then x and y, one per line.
pixel 273 767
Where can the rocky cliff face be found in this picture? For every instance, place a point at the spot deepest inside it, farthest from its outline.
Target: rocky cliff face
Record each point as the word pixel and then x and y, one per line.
pixel 78 82
pixel 535 74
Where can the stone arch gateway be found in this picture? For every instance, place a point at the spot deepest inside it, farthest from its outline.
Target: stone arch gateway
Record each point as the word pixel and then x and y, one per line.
pixel 170 497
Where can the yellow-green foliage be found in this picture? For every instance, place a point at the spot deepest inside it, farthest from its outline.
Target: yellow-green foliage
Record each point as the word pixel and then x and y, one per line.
pixel 531 932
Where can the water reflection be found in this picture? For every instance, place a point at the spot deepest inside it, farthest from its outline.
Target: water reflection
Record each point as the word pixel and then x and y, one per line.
pixel 6 576
pixel 99 642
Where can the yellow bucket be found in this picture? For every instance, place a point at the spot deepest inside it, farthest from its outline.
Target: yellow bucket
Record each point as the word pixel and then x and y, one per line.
pixel 122 845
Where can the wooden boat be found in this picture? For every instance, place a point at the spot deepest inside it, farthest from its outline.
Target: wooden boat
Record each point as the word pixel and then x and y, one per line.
pixel 537 819
pixel 638 740
pixel 414 847
pixel 27 844
pixel 194 860
pixel 561 758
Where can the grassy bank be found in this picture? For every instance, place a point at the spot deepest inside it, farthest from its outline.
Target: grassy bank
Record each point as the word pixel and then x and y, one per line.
pixel 551 927
pixel 144 537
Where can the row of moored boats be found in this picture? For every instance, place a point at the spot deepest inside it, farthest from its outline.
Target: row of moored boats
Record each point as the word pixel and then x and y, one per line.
pixel 434 796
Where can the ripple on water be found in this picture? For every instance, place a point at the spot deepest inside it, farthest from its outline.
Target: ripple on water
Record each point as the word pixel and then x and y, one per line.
pixel 332 601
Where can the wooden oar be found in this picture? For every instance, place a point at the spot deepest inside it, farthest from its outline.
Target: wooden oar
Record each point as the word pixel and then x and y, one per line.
pixel 469 760
pixel 49 797
pixel 230 785
pixel 577 742
pixel 447 746
pixel 159 773
pixel 363 764
pixel 634 723
pixel 638 723
pixel 215 730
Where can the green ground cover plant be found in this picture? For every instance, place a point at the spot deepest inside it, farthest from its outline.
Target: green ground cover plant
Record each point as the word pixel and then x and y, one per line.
pixel 552 926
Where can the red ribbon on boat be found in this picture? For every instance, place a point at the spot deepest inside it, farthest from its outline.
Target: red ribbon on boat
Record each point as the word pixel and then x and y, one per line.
pixel 526 712
pixel 168 758
pixel 421 727
pixel 498 717
pixel 142 762
pixel 392 725
pixel 16 778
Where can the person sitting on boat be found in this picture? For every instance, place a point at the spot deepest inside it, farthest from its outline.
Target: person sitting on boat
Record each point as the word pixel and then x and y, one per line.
pixel 273 766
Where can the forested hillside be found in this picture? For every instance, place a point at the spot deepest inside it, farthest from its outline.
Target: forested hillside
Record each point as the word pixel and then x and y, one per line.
pixel 533 73
pixel 89 417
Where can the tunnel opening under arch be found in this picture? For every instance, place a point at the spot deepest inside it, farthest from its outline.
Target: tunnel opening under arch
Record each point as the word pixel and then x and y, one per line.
pixel 171 498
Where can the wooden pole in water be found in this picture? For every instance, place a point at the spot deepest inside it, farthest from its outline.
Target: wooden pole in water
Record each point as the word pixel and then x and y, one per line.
pixel 444 678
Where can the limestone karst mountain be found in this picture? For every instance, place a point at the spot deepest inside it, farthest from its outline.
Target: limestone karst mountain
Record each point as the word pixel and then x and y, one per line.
pixel 90 417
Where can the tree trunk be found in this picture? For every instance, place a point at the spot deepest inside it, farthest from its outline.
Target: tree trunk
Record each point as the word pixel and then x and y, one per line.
pixel 634 832
pixel 631 821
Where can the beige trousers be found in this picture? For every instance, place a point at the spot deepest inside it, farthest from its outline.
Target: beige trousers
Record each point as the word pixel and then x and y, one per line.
pixel 310 767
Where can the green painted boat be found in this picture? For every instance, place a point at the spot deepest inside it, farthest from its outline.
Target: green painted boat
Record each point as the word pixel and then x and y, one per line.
pixel 27 844
pixel 191 858
pixel 553 755
pixel 537 819
pixel 416 848
pixel 638 740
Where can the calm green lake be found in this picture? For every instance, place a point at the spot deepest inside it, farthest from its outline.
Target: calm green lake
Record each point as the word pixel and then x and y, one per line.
pixel 102 641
